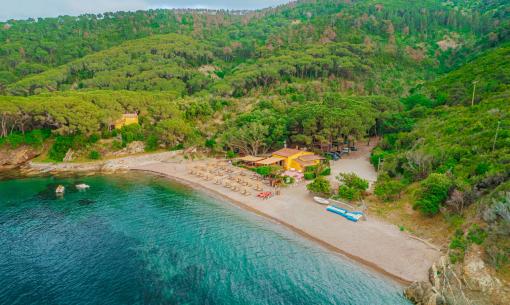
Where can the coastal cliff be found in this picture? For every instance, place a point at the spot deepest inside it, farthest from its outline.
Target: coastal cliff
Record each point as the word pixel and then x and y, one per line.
pixel 469 282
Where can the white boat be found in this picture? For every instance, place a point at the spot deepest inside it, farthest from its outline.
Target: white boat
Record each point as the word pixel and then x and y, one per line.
pixel 82 186
pixel 321 200
pixel 60 189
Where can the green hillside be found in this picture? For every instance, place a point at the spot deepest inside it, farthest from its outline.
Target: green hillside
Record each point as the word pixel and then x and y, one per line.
pixel 311 73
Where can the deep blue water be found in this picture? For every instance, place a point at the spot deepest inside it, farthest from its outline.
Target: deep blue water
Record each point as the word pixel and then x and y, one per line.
pixel 144 240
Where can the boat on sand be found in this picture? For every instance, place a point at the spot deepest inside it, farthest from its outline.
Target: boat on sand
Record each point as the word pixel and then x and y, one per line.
pixel 352 216
pixel 321 200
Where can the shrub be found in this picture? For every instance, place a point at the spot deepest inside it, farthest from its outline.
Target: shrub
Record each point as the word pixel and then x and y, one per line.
pixel 352 180
pixel 94 155
pixel 433 192
pixel 458 246
pixel 309 175
pixel 130 133
pixel 59 149
pixel 326 172
pixel 349 193
pixel 34 138
pixel 94 138
pixel 231 154
pixel 151 143
pixel 476 235
pixel 210 143
pixel 388 189
pixel 320 186
pixel 116 145
pixel 267 170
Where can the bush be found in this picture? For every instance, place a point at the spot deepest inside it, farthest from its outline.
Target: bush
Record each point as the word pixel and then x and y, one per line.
pixel 458 246
pixel 116 145
pixel 231 154
pixel 94 138
pixel 34 138
pixel 59 149
pixel 268 170
pixel 151 143
pixel 433 192
pixel 130 133
pixel 320 186
pixel 349 193
pixel 326 172
pixel 352 180
pixel 94 155
pixel 476 235
pixel 309 175
pixel 210 143
pixel 388 189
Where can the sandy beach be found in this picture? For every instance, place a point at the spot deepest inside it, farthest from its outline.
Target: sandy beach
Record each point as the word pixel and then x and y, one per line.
pixel 374 243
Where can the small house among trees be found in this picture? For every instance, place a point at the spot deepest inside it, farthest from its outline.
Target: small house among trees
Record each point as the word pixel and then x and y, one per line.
pixel 127 119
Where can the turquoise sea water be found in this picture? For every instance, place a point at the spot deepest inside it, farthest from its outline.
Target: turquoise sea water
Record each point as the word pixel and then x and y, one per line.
pixel 144 240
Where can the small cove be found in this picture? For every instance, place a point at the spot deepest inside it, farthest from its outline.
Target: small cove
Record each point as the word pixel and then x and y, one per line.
pixel 144 240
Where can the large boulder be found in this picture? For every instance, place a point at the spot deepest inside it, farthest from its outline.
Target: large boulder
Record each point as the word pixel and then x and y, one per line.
pixel 14 158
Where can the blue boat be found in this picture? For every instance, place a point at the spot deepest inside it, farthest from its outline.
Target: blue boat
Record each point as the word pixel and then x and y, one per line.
pixel 352 216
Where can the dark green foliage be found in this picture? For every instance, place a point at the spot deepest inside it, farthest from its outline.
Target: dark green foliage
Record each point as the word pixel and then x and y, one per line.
pixel 94 155
pixel 458 246
pixel 476 235
pixel 433 192
pixel 268 171
pixel 309 175
pixel 60 147
pixel 320 186
pixel 352 187
pixel 387 188
pixel 33 138
pixel 94 138
pixel 354 181
pixel 151 143
pixel 130 133
pixel 326 171
pixel 349 193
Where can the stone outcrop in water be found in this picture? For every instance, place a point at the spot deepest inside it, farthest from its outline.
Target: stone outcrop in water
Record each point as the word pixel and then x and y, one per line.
pixel 467 283
pixel 14 158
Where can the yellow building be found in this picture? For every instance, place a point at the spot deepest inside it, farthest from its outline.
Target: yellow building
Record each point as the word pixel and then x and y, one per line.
pixel 296 159
pixel 127 119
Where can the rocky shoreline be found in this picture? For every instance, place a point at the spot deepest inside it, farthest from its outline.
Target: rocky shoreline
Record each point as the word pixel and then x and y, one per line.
pixel 467 283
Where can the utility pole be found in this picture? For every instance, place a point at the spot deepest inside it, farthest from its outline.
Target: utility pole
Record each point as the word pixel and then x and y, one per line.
pixel 474 90
pixel 496 136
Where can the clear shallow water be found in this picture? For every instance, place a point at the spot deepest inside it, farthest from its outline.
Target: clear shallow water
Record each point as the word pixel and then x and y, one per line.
pixel 144 241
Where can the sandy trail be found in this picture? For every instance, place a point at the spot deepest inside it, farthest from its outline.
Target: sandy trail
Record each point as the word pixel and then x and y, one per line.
pixel 374 243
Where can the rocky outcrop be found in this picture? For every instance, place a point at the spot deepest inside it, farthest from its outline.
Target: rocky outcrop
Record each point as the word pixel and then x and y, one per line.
pixel 132 148
pixel 468 283
pixel 14 158
pixel 423 293
pixel 113 165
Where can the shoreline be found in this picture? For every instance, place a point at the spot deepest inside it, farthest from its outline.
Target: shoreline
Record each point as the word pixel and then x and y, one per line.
pixel 218 195
pixel 375 244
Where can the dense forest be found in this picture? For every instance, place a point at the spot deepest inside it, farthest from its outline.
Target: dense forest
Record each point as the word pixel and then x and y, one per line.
pixel 431 78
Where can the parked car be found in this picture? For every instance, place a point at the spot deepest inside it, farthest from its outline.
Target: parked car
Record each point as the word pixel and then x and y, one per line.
pixel 334 156
pixel 345 150
pixel 353 148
